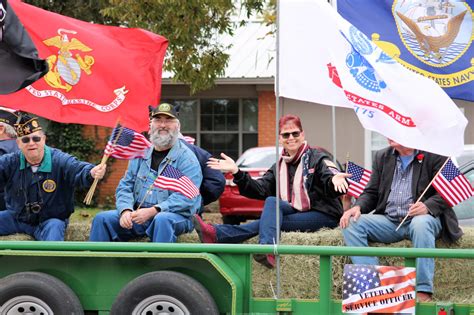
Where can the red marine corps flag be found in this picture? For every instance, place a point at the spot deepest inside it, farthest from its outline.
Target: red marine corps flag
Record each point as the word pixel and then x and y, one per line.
pixel 97 73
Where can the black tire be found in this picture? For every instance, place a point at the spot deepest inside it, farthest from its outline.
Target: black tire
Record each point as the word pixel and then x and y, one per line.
pixel 37 293
pixel 233 219
pixel 164 291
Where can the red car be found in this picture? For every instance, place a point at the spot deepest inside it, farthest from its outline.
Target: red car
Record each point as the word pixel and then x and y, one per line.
pixel 236 208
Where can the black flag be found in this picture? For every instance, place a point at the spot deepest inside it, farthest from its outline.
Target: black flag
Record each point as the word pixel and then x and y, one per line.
pixel 20 65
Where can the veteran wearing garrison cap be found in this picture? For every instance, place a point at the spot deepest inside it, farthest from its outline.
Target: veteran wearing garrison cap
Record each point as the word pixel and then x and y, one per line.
pixel 39 184
pixel 7 141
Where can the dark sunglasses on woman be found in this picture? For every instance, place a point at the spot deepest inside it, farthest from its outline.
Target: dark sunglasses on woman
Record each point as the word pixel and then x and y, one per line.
pixel 286 135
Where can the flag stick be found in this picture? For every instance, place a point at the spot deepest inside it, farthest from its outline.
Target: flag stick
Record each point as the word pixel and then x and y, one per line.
pixel 426 189
pixel 347 161
pixel 105 157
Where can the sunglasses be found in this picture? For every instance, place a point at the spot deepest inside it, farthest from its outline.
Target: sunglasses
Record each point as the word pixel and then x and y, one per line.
pixel 26 140
pixel 286 135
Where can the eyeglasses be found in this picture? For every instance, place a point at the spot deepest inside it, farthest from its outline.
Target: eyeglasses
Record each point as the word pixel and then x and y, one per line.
pixel 26 140
pixel 286 135
pixel 164 121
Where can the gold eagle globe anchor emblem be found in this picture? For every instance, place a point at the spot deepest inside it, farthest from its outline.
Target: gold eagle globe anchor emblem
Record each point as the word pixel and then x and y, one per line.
pixel 65 69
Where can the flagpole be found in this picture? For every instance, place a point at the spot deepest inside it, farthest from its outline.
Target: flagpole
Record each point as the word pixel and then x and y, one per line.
pixel 277 135
pixel 333 113
pixel 105 157
pixel 426 189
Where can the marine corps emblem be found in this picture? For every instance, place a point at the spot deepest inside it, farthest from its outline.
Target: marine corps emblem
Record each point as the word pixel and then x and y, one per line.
pixel 65 69
pixel 436 32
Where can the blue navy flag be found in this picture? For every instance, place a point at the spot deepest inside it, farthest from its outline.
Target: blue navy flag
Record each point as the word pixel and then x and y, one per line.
pixel 432 38
pixel 20 65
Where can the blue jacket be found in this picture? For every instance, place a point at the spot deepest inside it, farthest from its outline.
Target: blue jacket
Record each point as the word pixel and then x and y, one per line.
pixel 52 185
pixel 140 177
pixel 213 181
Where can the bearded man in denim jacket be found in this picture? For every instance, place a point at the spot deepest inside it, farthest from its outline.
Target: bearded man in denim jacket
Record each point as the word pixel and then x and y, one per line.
pixel 162 214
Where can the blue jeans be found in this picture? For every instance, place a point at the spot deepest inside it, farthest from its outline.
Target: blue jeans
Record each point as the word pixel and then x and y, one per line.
pixel 290 220
pixel 162 228
pixel 48 230
pixel 422 230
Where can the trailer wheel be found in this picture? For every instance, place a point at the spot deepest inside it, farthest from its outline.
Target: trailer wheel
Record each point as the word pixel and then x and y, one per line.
pixel 37 293
pixel 164 292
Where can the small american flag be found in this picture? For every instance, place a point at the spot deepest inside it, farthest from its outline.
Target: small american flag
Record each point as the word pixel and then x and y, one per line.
pixel 129 145
pixel 172 179
pixel 380 289
pixel 358 181
pixel 452 185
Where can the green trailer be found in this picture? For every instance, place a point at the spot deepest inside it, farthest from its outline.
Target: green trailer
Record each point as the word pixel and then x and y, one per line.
pixel 147 278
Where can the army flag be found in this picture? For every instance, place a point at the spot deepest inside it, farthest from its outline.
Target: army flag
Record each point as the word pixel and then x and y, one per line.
pixel 98 74
pixel 326 60
pixel 19 62
pixel 432 38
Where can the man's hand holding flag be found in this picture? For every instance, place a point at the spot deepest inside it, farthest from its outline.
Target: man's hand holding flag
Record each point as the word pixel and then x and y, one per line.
pixel 125 144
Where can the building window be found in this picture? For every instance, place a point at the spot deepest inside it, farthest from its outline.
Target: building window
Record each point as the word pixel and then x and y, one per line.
pixel 220 125
pixel 374 142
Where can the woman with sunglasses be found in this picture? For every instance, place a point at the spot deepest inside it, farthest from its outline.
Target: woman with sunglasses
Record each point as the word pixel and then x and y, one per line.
pixel 309 192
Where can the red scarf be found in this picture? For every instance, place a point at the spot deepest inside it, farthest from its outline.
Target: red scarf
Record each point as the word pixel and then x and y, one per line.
pixel 299 198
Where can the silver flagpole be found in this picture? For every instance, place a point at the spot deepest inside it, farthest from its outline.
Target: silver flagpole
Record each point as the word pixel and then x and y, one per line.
pixel 333 112
pixel 277 134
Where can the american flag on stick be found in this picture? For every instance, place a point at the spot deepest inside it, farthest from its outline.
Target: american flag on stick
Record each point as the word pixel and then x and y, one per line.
pixel 173 179
pixel 126 144
pixel 379 289
pixel 452 185
pixel 358 181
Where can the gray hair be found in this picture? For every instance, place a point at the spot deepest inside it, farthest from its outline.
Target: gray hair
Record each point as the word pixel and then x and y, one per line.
pixel 9 130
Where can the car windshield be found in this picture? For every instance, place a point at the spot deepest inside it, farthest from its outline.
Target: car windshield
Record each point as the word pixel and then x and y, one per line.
pixel 465 157
pixel 257 158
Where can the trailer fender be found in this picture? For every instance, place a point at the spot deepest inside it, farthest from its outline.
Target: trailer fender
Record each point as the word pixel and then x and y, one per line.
pixel 37 293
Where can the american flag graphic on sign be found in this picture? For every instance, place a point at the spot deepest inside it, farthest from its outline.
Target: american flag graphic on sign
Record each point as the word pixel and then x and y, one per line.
pixel 358 181
pixel 452 185
pixel 173 179
pixel 379 289
pixel 126 144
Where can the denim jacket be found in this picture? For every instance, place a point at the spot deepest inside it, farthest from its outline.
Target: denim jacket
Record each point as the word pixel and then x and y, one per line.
pixel 140 176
